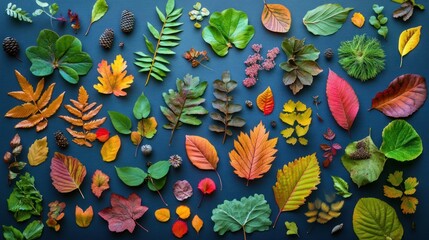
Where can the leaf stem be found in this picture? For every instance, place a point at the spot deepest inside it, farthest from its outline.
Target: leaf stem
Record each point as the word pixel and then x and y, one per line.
pixel 89 27
pixel 157 190
pixel 138 224
pixel 201 200
pixel 244 233
pixel 220 180
pixel 81 193
pixel 400 65
pixel 277 218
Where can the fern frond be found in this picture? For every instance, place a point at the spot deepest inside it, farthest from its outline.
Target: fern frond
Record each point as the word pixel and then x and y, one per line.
pixel 155 65
pixel 13 11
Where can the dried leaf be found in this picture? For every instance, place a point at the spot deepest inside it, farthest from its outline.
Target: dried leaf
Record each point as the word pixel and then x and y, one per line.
pixel 182 190
pixel 265 101
pixel 83 218
pixel 162 214
pixel 183 212
pixel 197 223
pixel 113 78
pixel 358 19
pixel 409 204
pixel 67 173
pixel 342 100
pixel 404 95
pixel 111 148
pixel 38 152
pixel 276 18
pixel 391 192
pixel 100 182
pixel 408 40
pixel 180 228
pixel 146 127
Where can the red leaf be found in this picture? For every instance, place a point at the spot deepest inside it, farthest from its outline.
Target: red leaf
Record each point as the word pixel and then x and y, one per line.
pixel 102 134
pixel 207 186
pixel 123 213
pixel 100 182
pixel 265 101
pixel 342 100
pixel 329 134
pixel 325 147
pixel 67 173
pixel 404 95
pixel 336 146
pixel 180 228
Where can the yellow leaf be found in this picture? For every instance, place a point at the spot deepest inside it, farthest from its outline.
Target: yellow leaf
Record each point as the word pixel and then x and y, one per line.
pixel 110 148
pixel 302 115
pixel 337 206
pixel 358 19
pixel 334 214
pixel 311 213
pixel 147 127
pixel 304 118
pixel 410 185
pixel 84 218
pixel 392 192
pixel 303 141
pixel 300 107
pixel 288 118
pixel 197 223
pixel 291 140
pixel 324 217
pixel 324 207
pixel 409 204
pixel 136 138
pixel 289 106
pixel 265 101
pixel 287 132
pixel 301 131
pixel 114 79
pixel 408 40
pixel 162 214
pixel 183 212
pixel 312 219
pixel 38 152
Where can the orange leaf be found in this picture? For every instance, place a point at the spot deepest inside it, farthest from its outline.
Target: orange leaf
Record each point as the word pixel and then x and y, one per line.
pixel 113 80
pixel 276 18
pixel 100 182
pixel 67 173
pixel 197 223
pixel 409 204
pixel 358 19
pixel 162 214
pixel 254 154
pixel 110 148
pixel 83 218
pixel 183 212
pixel 392 192
pixel 265 101
pixel 202 154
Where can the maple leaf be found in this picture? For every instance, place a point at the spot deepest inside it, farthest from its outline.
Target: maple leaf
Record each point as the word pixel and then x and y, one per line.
pixel 83 112
pixel 113 78
pixel 100 182
pixel 35 108
pixel 254 154
pixel 123 213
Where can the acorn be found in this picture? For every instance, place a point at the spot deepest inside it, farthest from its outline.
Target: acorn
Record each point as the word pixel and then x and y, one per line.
pixel 106 38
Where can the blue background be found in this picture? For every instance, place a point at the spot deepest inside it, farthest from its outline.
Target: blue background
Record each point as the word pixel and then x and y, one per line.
pixel 234 187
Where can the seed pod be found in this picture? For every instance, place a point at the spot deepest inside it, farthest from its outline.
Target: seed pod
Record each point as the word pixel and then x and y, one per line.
pixel 337 228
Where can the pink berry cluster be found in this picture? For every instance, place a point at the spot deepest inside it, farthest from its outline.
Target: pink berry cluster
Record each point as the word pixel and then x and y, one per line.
pixel 256 62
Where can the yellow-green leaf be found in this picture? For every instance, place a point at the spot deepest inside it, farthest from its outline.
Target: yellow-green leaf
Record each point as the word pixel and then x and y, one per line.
pixel 391 192
pixel 162 214
pixel 197 223
pixel 408 40
pixel 409 204
pixel 147 127
pixel 410 185
pixel 110 148
pixel 287 132
pixel 396 178
pixel 38 152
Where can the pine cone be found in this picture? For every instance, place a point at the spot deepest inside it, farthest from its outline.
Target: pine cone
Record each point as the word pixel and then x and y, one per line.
pixel 11 46
pixel 175 161
pixel 329 53
pixel 61 140
pixel 127 21
pixel 106 38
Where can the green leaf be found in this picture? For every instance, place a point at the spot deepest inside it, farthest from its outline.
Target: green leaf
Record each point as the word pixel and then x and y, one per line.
pixel 249 214
pixel 98 10
pixel 42 4
pixel 156 184
pixel 377 9
pixel 11 233
pixel 131 176
pixel 363 161
pixel 375 219
pixel 326 19
pixel 401 141
pixel 341 186
pixel 292 228
pixel 159 169
pixel 33 230
pixel 53 9
pixel 120 122
pixel 152 30
pixel 227 28
pixel 141 107
pixel 396 178
pixel 13 11
pixel 410 185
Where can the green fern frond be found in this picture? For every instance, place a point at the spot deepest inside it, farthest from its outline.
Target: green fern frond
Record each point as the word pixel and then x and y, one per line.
pixel 154 64
pixel 13 11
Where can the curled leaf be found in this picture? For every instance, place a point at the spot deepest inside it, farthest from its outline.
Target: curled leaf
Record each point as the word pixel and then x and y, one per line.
pixel 67 173
pixel 83 218
pixel 265 101
pixel 162 214
pixel 100 182
pixel 38 151
pixel 276 18
pixel 197 223
pixel 110 149
pixel 182 190
pixel 180 228
pixel 358 19
pixel 408 40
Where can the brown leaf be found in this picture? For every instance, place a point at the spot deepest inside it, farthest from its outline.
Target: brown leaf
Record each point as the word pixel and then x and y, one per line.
pixel 276 18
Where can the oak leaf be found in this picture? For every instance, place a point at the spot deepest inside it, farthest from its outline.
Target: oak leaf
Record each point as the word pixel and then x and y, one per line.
pixel 110 149
pixel 254 154
pixel 100 182
pixel 35 108
pixel 84 218
pixel 38 151
pixel 265 101
pixel 113 78
pixel 276 18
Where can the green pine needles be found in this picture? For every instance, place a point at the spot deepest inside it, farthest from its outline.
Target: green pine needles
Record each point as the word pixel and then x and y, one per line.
pixel 362 58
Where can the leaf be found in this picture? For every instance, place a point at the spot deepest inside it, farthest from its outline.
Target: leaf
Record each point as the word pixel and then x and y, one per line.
pixel 253 155
pixel 375 219
pixel 110 149
pixel 102 134
pixel 183 106
pixel 227 28
pixel 67 173
pixel 11 233
pixel 326 19
pixel 408 40
pixel 124 212
pixel 276 18
pixel 141 107
pixel 100 183
pixel 120 122
pixel 342 100
pixel 131 176
pixel 147 127
pixel 98 11
pixel 33 230
pixel 341 186
pixel 396 178
pixel 16 12
pixel 249 214
pixel 197 223
pixel 38 151
pixel 207 186
pixel 392 192
pixel 35 108
pixel 409 204
pixel 182 190
pixel 295 182
pixel 299 113
pixel 162 214
pixel 401 141
pixel 404 95
pixel 410 185
pixel 63 53
pixel 358 19
pixel 183 212
pixel 292 228
pixel 159 169
pixel 265 101
pixel 83 218
pixel 179 228
pixel 113 78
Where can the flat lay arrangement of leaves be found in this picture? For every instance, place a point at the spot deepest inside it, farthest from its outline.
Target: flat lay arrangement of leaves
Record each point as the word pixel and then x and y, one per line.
pixel 197 154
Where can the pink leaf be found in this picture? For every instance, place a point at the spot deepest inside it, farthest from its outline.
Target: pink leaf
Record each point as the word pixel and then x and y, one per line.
pixel 336 146
pixel 342 100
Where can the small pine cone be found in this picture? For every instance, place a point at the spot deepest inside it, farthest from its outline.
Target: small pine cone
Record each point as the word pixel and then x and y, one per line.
pixel 11 46
pixel 329 53
pixel 106 38
pixel 127 21
pixel 175 160
pixel 249 103
pixel 61 140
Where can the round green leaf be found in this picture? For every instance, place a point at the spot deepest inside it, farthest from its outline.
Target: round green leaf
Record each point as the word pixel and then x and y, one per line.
pixel 375 219
pixel 401 141
pixel 120 122
pixel 159 169
pixel 131 176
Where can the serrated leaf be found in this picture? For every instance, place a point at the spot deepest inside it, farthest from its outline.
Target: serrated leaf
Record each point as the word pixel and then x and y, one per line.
pixel 38 151
pixel 409 204
pixel 265 101
pixel 67 173
pixel 396 178
pixel 276 18
pixel 341 186
pixel 110 149
pixel 392 192
pixel 408 40
pixel 326 19
pixel 292 228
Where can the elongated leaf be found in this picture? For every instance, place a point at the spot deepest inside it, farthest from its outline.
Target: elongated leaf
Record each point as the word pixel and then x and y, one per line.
pixel 265 101
pixel 404 95
pixel 342 100
pixel 341 186
pixel 120 122
pixel 38 151
pixel 408 40
pixel 33 230
pixel 110 148
pixel 295 182
pixel 67 173
pixel 276 18
pixel 326 19
pixel 98 11
pixel 375 219
pixel 131 176
pixel 141 107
